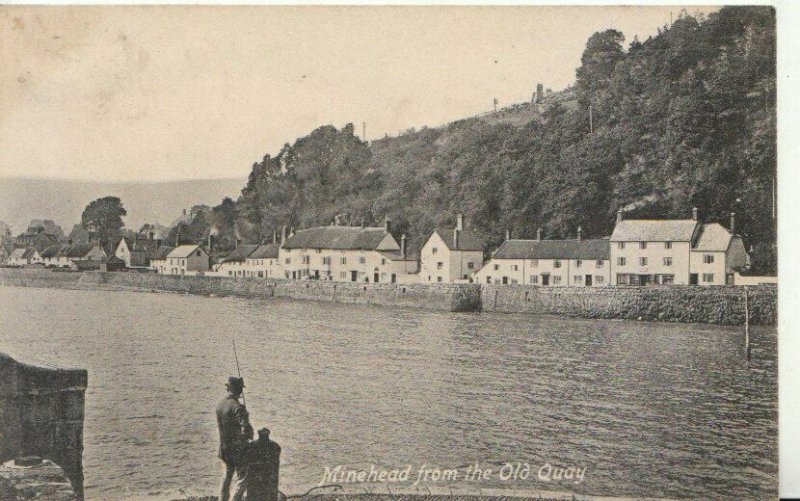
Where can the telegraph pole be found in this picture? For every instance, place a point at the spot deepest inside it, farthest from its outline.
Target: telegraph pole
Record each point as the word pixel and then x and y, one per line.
pixel 591 128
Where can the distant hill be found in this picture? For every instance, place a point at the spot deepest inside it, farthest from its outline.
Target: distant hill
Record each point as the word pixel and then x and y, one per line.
pixel 23 199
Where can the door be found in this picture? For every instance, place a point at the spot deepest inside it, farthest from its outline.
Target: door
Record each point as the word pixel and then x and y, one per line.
pixel 588 280
pixel 545 280
pixel 377 276
pixel 505 280
pixel 693 279
pixel 354 276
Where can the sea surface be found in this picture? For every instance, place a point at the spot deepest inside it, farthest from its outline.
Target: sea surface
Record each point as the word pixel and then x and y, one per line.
pixel 662 410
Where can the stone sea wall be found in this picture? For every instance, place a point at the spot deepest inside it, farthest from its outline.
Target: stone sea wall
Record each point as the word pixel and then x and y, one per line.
pixel 678 303
pixel 41 414
pixel 716 305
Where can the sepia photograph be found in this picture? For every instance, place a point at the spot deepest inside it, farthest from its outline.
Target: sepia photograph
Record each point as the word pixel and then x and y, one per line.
pixel 390 253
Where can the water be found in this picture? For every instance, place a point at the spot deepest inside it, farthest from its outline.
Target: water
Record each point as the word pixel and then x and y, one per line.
pixel 663 410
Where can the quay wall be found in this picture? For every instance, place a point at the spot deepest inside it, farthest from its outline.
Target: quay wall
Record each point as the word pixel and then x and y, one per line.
pixel 41 414
pixel 677 303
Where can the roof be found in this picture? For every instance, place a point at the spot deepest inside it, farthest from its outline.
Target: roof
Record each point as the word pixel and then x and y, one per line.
pixel 18 253
pixel 162 252
pixel 138 243
pixel 713 237
pixel 51 251
pixel 184 250
pixel 395 256
pixel 29 252
pixel 654 230
pixel 76 250
pixel 337 237
pixel 266 251
pixel 466 240
pixel 240 253
pixel 590 249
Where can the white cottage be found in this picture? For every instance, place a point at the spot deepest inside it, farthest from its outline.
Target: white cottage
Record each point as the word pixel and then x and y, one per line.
pixel 450 255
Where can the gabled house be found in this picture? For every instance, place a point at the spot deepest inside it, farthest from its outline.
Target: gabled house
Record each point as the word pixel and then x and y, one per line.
pixel 188 260
pixel 136 251
pixel 71 255
pixel 158 261
pixel 450 255
pixel 24 257
pixel 264 262
pixel 344 254
pixel 234 263
pixel 549 263
pixel 36 238
pixel 717 255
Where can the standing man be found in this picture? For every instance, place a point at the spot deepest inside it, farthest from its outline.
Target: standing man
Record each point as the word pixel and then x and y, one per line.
pixel 235 433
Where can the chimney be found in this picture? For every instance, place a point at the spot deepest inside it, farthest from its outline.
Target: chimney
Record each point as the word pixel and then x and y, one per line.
pixel 178 237
pixel 579 233
pixel 539 235
pixel 387 223
pixel 184 212
pixel 508 235
pixel 151 235
pixel 456 231
pixel 619 216
pixel 403 245
pixel 694 213
pixel 158 243
pixel 733 222
pixel 274 236
pixel 210 241
pixel 283 235
pixel 460 222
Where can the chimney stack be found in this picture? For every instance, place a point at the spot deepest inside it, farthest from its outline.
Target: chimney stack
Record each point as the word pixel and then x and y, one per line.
pixel 403 245
pixel 274 236
pixel 178 237
pixel 283 235
pixel 579 233
pixel 619 216
pixel 694 213
pixel 210 241
pixel 508 235
pixel 539 235
pixel 151 235
pixel 733 222
pixel 460 222
pixel 456 231
pixel 158 243
pixel 387 223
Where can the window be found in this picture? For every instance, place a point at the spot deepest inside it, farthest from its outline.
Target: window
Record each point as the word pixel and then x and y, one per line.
pixel 438 279
pixel 343 275
pixel 577 279
pixel 514 267
pixel 556 279
pixel 306 259
pixel 230 272
pixel 642 261
pixel 342 260
pixel 383 260
pixel 288 260
pixel 439 265
pixel 470 265
pixel 620 261
pixel 535 263
pixel 667 245
pixel 362 260
pixel 708 277
pixel 667 261
pixel 326 260
pixel 643 245
pixel 496 267
pixel 578 263
pixel 557 264
pixel 198 253
pixel 598 279
pixel 599 263
pixel 708 258
pixel 434 250
pixel 488 280
pixel 534 279
pixel 620 245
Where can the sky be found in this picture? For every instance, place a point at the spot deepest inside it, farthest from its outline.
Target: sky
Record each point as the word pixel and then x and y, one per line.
pixel 157 93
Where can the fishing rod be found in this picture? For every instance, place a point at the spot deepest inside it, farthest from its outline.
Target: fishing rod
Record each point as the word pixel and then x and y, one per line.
pixel 238 370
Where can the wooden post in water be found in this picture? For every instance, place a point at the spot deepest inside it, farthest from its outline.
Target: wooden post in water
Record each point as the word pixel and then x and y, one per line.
pixel 746 323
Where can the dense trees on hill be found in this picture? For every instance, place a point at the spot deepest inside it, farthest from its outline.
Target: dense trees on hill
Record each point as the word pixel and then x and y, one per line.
pixel 685 118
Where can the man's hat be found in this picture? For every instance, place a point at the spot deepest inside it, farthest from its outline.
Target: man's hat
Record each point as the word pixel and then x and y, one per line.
pixel 235 383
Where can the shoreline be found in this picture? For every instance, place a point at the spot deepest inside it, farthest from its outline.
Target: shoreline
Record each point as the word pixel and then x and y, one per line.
pixel 720 305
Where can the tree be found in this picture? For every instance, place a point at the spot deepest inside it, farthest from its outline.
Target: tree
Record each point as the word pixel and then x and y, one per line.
pixel 102 218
